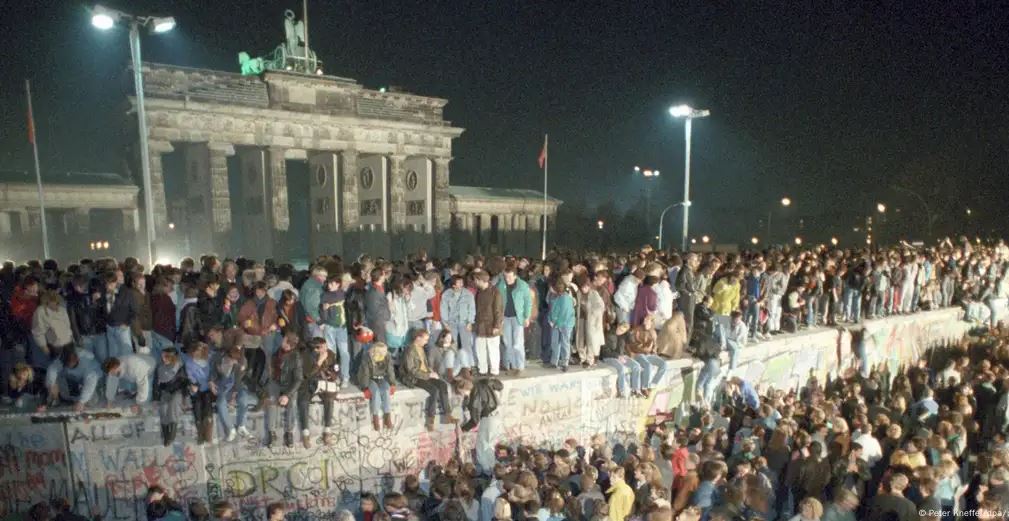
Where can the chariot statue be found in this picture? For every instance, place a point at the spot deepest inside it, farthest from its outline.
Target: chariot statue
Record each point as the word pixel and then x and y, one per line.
pixel 292 55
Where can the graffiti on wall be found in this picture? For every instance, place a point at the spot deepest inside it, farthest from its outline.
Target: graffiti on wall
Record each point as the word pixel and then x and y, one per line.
pixel 106 466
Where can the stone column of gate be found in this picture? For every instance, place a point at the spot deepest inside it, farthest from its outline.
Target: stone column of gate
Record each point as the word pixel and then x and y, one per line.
pixel 220 197
pixel 156 148
pixel 350 205
pixel 442 211
pixel 276 204
pixel 397 193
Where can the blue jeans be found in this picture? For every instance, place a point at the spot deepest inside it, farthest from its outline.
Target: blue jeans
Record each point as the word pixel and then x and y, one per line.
pixel 514 338
pixel 561 340
pixel 752 315
pixel 241 405
pixel 462 338
pixel 628 370
pixel 547 336
pixel 733 347
pixel 811 311
pixel 852 304
pixel 379 401
pixel 648 364
pixel 159 343
pixel 337 339
pixel 97 345
pixel 707 380
pixel 120 341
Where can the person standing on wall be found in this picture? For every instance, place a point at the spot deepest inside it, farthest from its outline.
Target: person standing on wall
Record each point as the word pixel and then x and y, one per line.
pixel 517 310
pixel 489 321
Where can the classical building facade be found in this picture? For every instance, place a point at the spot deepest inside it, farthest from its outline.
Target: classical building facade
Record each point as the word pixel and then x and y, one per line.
pixel 81 210
pixel 378 162
pixel 499 220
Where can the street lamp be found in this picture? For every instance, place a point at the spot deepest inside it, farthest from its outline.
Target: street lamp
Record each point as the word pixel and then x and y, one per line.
pixel 647 173
pixel 662 218
pixel 600 223
pixel 880 207
pixel 754 240
pixel 833 240
pixel 705 239
pixel 785 202
pixel 686 111
pixel 104 19
pixel 798 241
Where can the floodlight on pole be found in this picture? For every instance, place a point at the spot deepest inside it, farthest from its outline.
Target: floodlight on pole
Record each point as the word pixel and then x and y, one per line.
pixel 689 113
pixel 786 201
pixel 105 18
pixel 880 207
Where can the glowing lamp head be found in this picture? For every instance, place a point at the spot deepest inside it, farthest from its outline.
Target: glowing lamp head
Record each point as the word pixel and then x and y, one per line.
pixel 754 240
pixel 102 21
pixel 693 241
pixel 705 239
pixel 880 207
pixel 680 111
pixel 798 241
pixel 163 25
pixel 833 240
pixel 786 201
pixel 600 224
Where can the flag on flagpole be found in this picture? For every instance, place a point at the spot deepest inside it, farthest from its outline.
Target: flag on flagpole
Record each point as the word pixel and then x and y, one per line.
pixel 31 127
pixel 543 154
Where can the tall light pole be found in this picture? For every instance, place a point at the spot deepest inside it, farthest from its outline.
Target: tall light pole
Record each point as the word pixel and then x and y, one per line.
pixel 104 18
pixel 686 111
pixel 785 202
pixel 662 218
pixel 649 175
pixel 928 209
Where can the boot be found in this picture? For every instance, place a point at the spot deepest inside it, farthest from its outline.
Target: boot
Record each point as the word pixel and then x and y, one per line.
pixel 375 422
pixel 289 440
pixel 306 440
pixel 271 438
pixel 260 400
pixel 429 423
pixel 164 435
pixel 208 433
pixel 387 420
pixel 170 431
pixel 200 433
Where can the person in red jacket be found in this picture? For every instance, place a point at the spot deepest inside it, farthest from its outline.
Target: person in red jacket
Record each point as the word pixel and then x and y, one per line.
pixel 23 304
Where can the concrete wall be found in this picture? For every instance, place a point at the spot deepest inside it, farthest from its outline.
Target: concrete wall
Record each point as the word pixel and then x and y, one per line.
pixel 107 464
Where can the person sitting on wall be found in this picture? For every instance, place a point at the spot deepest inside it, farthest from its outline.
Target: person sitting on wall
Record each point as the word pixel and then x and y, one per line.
pixel 375 375
pixel 320 379
pixel 416 373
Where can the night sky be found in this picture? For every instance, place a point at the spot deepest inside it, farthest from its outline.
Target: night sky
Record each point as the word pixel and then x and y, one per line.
pixel 830 104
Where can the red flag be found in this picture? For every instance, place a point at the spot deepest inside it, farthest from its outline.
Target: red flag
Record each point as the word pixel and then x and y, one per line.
pixel 543 154
pixel 31 127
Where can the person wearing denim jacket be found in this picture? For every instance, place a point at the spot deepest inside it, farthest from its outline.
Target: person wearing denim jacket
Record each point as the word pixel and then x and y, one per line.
pixel 562 321
pixel 458 313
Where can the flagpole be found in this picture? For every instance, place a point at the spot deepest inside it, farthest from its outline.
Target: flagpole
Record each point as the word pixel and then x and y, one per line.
pixel 546 175
pixel 38 171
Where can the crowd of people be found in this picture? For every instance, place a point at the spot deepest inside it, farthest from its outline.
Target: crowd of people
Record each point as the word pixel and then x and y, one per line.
pixel 223 337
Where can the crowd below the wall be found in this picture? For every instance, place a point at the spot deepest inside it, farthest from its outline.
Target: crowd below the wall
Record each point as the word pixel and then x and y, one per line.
pixel 222 338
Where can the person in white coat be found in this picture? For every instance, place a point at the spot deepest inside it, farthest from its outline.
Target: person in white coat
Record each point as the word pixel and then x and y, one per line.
pixel 589 333
pixel 626 294
pixel 136 370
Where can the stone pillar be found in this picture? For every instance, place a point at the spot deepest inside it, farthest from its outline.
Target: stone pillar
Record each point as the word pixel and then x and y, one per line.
pixel 485 229
pixel 131 220
pixel 324 203
pixel 442 214
pixel 350 197
pixel 253 213
pixel 219 195
pixel 5 225
pixel 23 225
pixel 397 187
pixel 156 148
pixel 276 201
pixel 276 185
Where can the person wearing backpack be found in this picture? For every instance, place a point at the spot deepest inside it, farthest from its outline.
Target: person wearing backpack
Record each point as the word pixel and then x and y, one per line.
pixel 708 342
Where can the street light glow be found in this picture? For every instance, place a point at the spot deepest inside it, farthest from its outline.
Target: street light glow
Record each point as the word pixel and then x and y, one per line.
pixel 968 211
pixel 705 239
pixel 786 201
pixel 693 241
pixel 680 111
pixel 163 25
pixel 171 226
pixel 637 168
pixel 600 224
pixel 102 21
pixel 833 240
pixel 880 207
pixel 798 241
pixel 754 240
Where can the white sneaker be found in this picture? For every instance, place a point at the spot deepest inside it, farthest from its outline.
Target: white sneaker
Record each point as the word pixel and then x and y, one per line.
pixel 243 432
pixel 232 434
